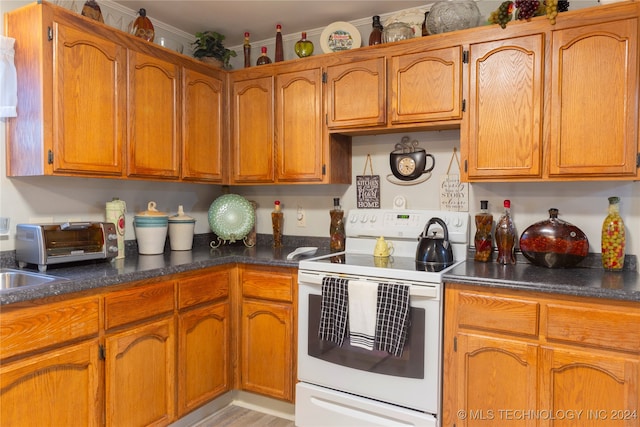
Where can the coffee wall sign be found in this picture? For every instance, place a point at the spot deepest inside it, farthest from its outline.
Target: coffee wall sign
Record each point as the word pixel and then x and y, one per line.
pixel 368 188
pixel 454 195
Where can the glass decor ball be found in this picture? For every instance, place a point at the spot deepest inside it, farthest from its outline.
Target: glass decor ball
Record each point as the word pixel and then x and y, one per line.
pixel 452 15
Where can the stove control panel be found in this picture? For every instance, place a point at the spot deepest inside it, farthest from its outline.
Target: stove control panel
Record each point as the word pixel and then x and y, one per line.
pixel 409 224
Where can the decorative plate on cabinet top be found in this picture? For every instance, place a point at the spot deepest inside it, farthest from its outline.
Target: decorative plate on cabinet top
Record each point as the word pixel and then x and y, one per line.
pixel 231 217
pixel 340 36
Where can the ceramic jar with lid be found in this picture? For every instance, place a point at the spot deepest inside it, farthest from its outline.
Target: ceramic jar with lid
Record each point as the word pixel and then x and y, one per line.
pixel 181 228
pixel 151 230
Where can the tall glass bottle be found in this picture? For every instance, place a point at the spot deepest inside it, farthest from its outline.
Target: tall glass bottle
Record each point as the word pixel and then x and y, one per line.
pixel 263 59
pixel 376 33
pixel 279 50
pixel 277 220
pixel 506 236
pixel 483 241
pixel 336 229
pixel 613 238
pixel 246 47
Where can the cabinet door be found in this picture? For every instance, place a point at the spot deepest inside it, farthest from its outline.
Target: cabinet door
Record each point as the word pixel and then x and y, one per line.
pixel 299 126
pixel 594 115
pixel 356 94
pixel 505 108
pixel 426 86
pixel 493 374
pixel 203 355
pixel 89 90
pixel 140 375
pixel 605 388
pixel 202 125
pixel 253 137
pixel 153 142
pixel 59 388
pixel 267 356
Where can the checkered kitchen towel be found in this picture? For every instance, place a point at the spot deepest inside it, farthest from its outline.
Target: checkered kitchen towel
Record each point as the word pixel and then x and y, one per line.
pixel 392 318
pixel 334 310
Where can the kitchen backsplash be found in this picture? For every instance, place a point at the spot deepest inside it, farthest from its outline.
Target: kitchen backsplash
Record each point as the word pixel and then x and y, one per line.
pixel 59 199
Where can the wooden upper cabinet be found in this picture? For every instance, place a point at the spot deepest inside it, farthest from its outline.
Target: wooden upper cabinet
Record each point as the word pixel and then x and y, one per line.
pixel 88 108
pixel 299 126
pixel 506 109
pixel 202 127
pixel 426 86
pixel 357 94
pixel 154 117
pixel 71 97
pixel 252 138
pixel 594 110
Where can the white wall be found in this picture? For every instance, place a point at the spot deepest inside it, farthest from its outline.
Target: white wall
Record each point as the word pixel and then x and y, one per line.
pixel 583 204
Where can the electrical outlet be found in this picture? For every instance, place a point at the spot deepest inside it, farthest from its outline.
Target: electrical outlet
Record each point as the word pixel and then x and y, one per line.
pixel 301 218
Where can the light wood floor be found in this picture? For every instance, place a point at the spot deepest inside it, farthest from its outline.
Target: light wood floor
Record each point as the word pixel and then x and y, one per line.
pixel 236 416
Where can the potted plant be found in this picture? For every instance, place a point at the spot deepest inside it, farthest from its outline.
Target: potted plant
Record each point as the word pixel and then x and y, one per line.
pixel 208 44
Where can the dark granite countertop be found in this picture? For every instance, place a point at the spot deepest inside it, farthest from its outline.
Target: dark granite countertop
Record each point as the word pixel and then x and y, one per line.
pixel 90 275
pixel 588 282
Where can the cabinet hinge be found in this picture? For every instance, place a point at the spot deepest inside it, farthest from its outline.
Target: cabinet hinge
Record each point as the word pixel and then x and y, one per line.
pixel 455 344
pixel 102 355
pixel 50 157
pixel 324 170
pixel 464 105
pixel 324 77
pixel 638 160
pixel 326 119
pixel 50 33
pixel 465 165
pixel 465 56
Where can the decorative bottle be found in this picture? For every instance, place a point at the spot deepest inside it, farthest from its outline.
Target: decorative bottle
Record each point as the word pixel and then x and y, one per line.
pixel 279 52
pixel 613 238
pixel 376 33
pixel 247 51
pixel 336 230
pixel 506 236
pixel 425 31
pixel 483 240
pixel 142 26
pixel 303 47
pixel 263 59
pixel 277 220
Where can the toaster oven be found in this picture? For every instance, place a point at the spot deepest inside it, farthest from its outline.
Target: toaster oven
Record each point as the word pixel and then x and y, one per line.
pixel 47 244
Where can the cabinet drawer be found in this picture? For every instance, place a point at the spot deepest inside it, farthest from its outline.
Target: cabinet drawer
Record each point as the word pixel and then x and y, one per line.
pixel 40 326
pixel 489 312
pixel 611 329
pixel 137 304
pixel 202 288
pixel 272 285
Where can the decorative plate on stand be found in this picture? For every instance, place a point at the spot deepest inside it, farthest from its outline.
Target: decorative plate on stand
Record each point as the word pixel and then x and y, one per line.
pixel 340 36
pixel 231 218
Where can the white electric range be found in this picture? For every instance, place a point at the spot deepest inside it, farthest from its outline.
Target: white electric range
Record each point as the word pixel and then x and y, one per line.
pixel 347 386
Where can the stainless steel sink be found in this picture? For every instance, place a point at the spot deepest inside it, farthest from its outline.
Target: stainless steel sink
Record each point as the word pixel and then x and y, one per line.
pixel 10 278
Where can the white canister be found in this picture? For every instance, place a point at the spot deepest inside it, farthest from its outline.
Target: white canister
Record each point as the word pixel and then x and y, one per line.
pixel 181 228
pixel 151 230
pixel 115 214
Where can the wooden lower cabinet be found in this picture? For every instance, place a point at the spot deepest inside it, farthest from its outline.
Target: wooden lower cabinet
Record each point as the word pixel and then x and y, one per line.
pixel 268 331
pixel 514 358
pixel 58 388
pixel 140 375
pixel 204 344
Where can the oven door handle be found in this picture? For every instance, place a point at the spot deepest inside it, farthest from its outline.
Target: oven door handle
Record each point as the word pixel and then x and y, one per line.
pixel 420 291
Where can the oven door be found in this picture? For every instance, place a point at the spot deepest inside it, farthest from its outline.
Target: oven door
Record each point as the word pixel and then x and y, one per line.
pixel 411 381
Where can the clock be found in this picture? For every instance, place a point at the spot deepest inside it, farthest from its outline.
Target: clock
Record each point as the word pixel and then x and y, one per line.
pixel 407 166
